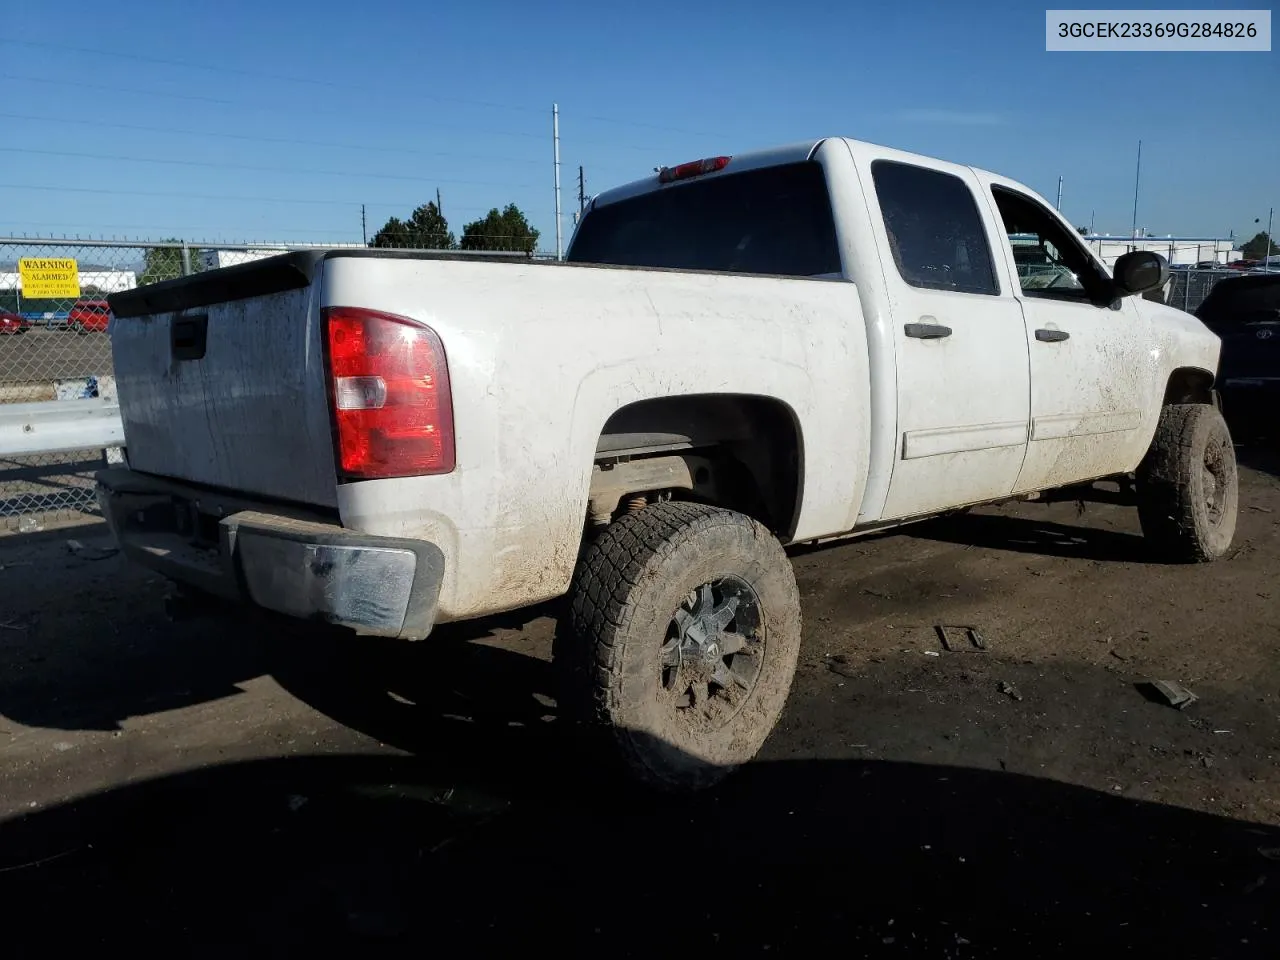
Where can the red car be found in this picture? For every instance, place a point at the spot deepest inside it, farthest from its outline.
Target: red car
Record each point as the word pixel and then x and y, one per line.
pixel 13 324
pixel 89 316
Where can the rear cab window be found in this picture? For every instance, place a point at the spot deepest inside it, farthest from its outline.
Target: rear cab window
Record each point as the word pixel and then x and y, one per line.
pixel 936 233
pixel 773 221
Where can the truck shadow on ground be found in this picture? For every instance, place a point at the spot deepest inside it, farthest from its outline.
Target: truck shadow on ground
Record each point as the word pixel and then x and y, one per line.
pixel 1261 455
pixel 1050 538
pixel 498 834
pixel 434 698
pixel 142 664
pixel 101 672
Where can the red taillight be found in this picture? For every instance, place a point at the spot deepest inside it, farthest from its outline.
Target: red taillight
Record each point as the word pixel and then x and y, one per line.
pixel 389 388
pixel 694 168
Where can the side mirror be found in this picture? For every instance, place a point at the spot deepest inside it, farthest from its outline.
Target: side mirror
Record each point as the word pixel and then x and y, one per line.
pixel 1140 271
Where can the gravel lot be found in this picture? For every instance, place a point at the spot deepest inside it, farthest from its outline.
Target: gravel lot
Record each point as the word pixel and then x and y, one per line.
pixel 201 784
pixel 42 356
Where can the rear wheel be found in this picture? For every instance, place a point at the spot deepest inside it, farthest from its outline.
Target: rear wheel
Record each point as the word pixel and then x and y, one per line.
pixel 77 327
pixel 680 642
pixel 1187 486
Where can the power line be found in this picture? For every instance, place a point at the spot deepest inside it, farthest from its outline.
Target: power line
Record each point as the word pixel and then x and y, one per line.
pixel 258 107
pixel 164 194
pixel 175 196
pixel 246 166
pixel 239 104
pixel 257 139
pixel 656 126
pixel 222 69
pixel 161 228
pixel 194 237
pixel 108 88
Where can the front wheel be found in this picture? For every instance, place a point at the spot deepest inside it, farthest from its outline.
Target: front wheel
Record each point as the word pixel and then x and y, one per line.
pixel 680 642
pixel 77 327
pixel 1187 487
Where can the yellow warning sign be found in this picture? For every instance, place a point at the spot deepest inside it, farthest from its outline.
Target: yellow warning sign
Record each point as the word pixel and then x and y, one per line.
pixel 49 278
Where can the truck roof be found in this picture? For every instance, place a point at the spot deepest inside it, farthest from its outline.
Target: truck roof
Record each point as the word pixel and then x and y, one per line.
pixel 768 157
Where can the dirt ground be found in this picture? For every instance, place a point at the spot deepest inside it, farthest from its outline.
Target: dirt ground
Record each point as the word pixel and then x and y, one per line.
pixel 201 784
pixel 30 361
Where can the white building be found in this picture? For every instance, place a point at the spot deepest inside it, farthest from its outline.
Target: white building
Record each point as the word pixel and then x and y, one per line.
pixel 213 258
pixel 216 259
pixel 1179 251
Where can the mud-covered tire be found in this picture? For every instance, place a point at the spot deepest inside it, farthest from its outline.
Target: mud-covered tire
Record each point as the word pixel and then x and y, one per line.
pixel 622 609
pixel 1187 486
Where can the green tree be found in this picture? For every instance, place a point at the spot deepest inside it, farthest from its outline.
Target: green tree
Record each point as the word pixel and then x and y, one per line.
pixel 508 230
pixel 1260 246
pixel 165 263
pixel 426 229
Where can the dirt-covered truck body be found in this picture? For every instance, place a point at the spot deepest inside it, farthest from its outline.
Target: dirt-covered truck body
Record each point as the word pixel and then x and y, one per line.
pixel 742 352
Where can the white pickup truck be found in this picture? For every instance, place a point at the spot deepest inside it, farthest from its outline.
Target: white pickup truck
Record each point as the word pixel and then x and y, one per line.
pixel 781 347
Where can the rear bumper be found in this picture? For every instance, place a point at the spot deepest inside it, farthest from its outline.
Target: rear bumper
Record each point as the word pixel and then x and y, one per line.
pixel 299 564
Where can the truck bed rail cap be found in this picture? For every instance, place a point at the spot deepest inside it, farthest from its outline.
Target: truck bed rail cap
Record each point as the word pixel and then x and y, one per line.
pixel 259 278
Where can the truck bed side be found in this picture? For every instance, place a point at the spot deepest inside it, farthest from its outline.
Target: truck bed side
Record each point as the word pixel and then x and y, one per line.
pixel 540 358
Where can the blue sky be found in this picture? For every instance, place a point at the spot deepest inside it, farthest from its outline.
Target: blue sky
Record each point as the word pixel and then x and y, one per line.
pixel 275 120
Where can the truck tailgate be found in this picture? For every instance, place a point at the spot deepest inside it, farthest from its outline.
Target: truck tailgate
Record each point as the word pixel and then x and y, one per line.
pixel 221 381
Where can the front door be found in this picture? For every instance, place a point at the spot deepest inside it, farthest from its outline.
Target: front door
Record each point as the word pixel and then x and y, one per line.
pixel 961 349
pixel 1092 367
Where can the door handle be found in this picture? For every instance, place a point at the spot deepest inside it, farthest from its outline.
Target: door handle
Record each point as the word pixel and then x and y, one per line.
pixel 927 331
pixel 1052 336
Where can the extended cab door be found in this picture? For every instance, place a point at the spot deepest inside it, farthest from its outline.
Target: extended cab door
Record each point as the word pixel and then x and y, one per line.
pixel 960 345
pixel 1092 366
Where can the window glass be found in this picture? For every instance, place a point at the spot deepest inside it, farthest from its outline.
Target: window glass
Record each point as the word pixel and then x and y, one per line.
pixel 775 220
pixel 1050 261
pixel 935 230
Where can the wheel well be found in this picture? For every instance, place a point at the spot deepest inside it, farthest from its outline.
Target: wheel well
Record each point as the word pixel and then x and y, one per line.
pixel 1189 385
pixel 736 451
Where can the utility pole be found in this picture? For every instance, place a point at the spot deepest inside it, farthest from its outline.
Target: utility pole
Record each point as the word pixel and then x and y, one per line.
pixel 555 141
pixel 364 229
pixel 582 193
pixel 1091 216
pixel 1137 176
pixel 439 208
pixel 1266 257
pixel 1059 206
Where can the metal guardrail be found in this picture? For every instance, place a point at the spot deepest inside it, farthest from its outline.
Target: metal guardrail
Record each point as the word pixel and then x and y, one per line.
pixel 49 450
pixel 59 426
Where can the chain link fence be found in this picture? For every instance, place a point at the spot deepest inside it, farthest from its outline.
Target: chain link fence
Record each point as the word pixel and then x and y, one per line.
pixel 57 348
pixel 1199 263
pixel 1189 287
